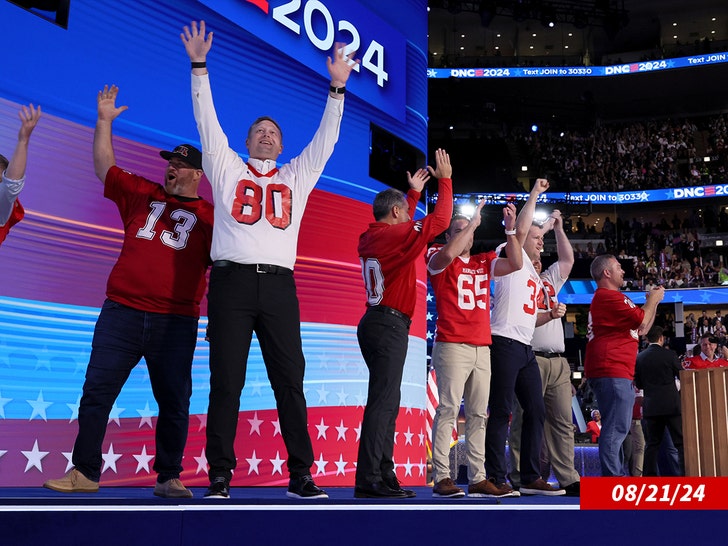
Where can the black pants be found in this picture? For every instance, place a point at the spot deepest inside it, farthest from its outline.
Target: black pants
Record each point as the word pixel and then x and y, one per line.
pixel 240 302
pixel 654 429
pixel 383 340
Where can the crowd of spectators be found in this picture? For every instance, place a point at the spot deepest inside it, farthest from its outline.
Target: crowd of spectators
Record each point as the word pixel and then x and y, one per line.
pixel 631 156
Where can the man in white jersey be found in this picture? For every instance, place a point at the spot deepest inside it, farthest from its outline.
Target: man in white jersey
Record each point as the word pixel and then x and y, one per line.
pixel 514 370
pixel 548 346
pixel 258 212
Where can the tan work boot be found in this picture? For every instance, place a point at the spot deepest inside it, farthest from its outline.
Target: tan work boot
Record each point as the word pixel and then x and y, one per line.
pixel 72 482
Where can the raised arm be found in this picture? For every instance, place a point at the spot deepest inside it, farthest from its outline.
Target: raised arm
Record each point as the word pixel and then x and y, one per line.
pixel 416 183
pixel 439 219
pixel 563 246
pixel 104 157
pixel 197 46
pixel 525 217
pixel 29 116
pixel 514 255
pixel 457 243
pixel 340 68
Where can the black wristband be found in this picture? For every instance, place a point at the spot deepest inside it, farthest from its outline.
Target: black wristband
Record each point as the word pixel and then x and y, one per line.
pixel 202 64
pixel 337 90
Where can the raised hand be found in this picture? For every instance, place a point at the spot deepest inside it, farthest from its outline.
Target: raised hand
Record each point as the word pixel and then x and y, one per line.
pixel 341 66
pixel 29 116
pixel 106 104
pixel 443 168
pixel 509 216
pixel 418 180
pixel 540 186
pixel 196 43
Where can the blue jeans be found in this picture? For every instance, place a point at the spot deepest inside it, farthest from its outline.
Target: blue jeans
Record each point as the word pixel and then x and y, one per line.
pixel 121 338
pixel 615 397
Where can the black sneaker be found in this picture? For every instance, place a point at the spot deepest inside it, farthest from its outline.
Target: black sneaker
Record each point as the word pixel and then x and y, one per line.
pixel 219 488
pixel 573 489
pixel 304 488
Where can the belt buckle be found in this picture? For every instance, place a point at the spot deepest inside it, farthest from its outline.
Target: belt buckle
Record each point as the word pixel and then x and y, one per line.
pixel 259 270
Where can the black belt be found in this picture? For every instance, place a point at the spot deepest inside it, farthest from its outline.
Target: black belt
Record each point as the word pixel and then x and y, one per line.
pixel 258 268
pixel 389 311
pixel 547 355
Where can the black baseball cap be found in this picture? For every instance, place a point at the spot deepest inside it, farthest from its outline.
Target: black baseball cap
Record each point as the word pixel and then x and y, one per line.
pixel 187 153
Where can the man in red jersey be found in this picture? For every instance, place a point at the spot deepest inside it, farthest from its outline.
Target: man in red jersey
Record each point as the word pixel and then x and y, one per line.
pixel 152 306
pixel 709 356
pixel 615 324
pixel 388 251
pixel 12 173
pixel 461 353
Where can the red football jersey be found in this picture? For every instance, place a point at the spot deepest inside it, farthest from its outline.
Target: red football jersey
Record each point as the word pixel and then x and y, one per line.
pixel 611 350
pixel 15 217
pixel 388 254
pixel 166 251
pixel 462 298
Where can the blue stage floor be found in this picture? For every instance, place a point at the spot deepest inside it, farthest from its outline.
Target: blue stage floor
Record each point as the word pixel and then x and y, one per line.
pixel 266 517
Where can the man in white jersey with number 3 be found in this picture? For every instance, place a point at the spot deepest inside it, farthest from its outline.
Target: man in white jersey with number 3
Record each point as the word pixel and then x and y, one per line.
pixel 514 370
pixel 258 212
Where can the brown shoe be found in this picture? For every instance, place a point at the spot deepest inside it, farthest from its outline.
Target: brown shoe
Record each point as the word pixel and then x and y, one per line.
pixel 447 488
pixel 72 482
pixel 488 488
pixel 172 489
pixel 541 487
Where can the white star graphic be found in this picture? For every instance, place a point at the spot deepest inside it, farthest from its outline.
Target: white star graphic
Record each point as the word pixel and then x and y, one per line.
pixel 201 462
pixel 408 467
pixel 421 467
pixel 255 424
pixel 322 428
pixel 321 465
pixel 276 427
pixel 428 335
pixel 428 316
pixel 277 464
pixel 341 431
pixel 202 418
pixel 341 465
pixel 323 393
pixel 361 400
pixel 421 437
pixel 74 409
pixel 34 456
pixel 143 460
pixel 3 401
pixel 395 437
pixel 255 386
pixel 253 461
pixel 116 412
pixel 69 459
pixel 39 407
pixel 408 437
pixel 43 362
pixel 146 416
pixel 342 397
pixel 429 296
pixel 358 431
pixel 110 459
pixel 408 410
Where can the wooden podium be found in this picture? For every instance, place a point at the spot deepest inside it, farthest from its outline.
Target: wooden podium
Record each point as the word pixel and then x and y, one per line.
pixel 704 401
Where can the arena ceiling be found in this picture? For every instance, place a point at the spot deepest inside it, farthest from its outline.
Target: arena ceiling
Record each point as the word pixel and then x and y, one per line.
pixel 470 32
